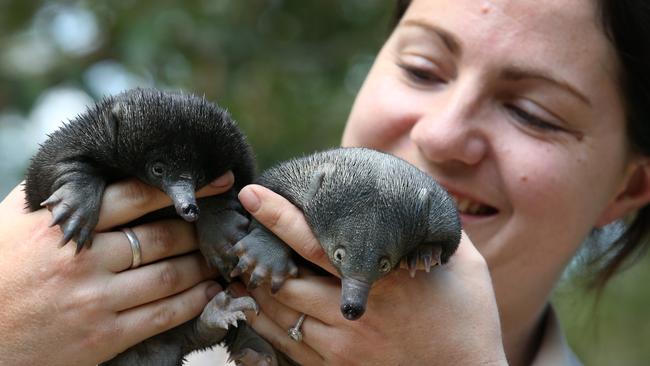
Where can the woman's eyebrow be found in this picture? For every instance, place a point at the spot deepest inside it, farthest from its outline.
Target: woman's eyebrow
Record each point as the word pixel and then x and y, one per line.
pixel 451 42
pixel 515 73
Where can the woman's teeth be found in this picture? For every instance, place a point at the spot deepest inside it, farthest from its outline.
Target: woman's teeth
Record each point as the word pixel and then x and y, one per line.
pixel 469 207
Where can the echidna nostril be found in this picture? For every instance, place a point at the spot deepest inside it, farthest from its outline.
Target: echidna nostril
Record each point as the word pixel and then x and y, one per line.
pixel 352 311
pixel 190 212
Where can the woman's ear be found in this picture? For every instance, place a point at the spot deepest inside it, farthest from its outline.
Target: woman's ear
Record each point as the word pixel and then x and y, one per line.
pixel 633 195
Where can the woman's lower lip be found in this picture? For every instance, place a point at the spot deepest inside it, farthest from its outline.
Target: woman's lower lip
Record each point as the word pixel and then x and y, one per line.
pixel 467 218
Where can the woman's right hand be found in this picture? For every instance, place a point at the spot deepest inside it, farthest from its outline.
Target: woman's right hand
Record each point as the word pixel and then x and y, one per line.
pixel 446 317
pixel 58 308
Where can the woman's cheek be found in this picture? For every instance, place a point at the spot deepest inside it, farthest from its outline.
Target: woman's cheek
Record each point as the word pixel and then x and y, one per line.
pixel 551 194
pixel 384 112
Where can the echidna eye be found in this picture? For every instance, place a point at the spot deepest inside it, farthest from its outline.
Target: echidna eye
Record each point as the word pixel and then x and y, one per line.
pixel 384 265
pixel 157 169
pixel 339 254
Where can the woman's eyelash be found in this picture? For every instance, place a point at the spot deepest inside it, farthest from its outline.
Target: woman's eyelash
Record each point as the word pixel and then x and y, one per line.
pixel 426 76
pixel 420 75
pixel 532 120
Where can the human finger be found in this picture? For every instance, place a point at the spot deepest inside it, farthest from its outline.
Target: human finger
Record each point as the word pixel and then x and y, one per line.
pixel 137 324
pixel 286 221
pixel 300 352
pixel 317 297
pixel 156 281
pixel 158 240
pixel 126 200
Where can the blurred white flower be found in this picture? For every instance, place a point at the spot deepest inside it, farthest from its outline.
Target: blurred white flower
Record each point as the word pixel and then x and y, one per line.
pixel 74 29
pixel 110 77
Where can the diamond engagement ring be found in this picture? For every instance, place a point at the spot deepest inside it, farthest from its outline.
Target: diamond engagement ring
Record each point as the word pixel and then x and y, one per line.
pixel 295 332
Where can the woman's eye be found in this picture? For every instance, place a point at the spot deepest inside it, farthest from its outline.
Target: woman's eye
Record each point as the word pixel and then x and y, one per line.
pixel 419 68
pixel 420 75
pixel 530 119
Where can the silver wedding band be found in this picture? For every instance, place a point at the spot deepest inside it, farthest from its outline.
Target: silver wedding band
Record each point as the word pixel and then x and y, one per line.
pixel 136 250
pixel 294 332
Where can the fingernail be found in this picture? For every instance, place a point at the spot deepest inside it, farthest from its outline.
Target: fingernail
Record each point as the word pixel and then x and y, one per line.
pixel 224 180
pixel 212 290
pixel 249 199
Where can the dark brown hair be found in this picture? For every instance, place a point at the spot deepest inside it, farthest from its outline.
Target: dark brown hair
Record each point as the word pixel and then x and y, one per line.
pixel 626 23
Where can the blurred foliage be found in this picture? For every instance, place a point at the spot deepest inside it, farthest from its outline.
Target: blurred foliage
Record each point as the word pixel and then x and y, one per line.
pixel 287 71
pixel 613 329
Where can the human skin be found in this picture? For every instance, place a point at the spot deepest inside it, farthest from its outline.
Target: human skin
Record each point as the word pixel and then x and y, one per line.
pixel 388 320
pixel 550 189
pixel 521 115
pixel 62 309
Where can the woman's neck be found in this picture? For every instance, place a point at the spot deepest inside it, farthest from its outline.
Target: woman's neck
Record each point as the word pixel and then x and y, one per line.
pixel 523 301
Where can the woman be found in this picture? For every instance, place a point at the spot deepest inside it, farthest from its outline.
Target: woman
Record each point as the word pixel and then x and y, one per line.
pixel 531 117
pixel 526 111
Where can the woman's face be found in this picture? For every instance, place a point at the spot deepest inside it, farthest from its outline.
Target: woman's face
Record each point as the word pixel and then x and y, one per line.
pixel 513 106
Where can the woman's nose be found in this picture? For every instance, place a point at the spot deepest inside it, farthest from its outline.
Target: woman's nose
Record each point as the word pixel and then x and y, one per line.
pixel 451 131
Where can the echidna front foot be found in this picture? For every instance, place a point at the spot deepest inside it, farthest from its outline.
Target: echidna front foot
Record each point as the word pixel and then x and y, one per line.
pixel 219 227
pixel 75 208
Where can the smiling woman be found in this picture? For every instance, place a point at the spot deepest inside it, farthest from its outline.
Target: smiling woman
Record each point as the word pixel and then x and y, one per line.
pixel 532 114
pixel 527 113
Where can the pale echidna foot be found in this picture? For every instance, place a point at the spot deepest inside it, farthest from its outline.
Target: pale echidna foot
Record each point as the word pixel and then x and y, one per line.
pixel 224 311
pixel 250 357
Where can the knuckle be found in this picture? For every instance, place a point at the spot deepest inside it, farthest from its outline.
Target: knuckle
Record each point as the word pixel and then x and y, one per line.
pixel 169 275
pixel 340 351
pixel 163 317
pixel 83 302
pixel 273 218
pixel 313 250
pixel 87 299
pixel 95 339
pixel 63 267
pixel 100 335
pixel 160 237
pixel 114 332
pixel 139 194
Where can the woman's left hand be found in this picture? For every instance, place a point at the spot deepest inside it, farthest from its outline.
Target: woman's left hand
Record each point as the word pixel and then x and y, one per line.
pixel 447 316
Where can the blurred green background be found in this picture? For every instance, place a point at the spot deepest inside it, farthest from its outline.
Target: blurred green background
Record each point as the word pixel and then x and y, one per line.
pixel 287 71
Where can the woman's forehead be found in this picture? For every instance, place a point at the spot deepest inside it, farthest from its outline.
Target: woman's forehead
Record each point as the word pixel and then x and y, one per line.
pixel 570 24
pixel 518 9
pixel 563 37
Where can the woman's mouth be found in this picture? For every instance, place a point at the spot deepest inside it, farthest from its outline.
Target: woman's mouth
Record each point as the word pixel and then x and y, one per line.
pixel 467 206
